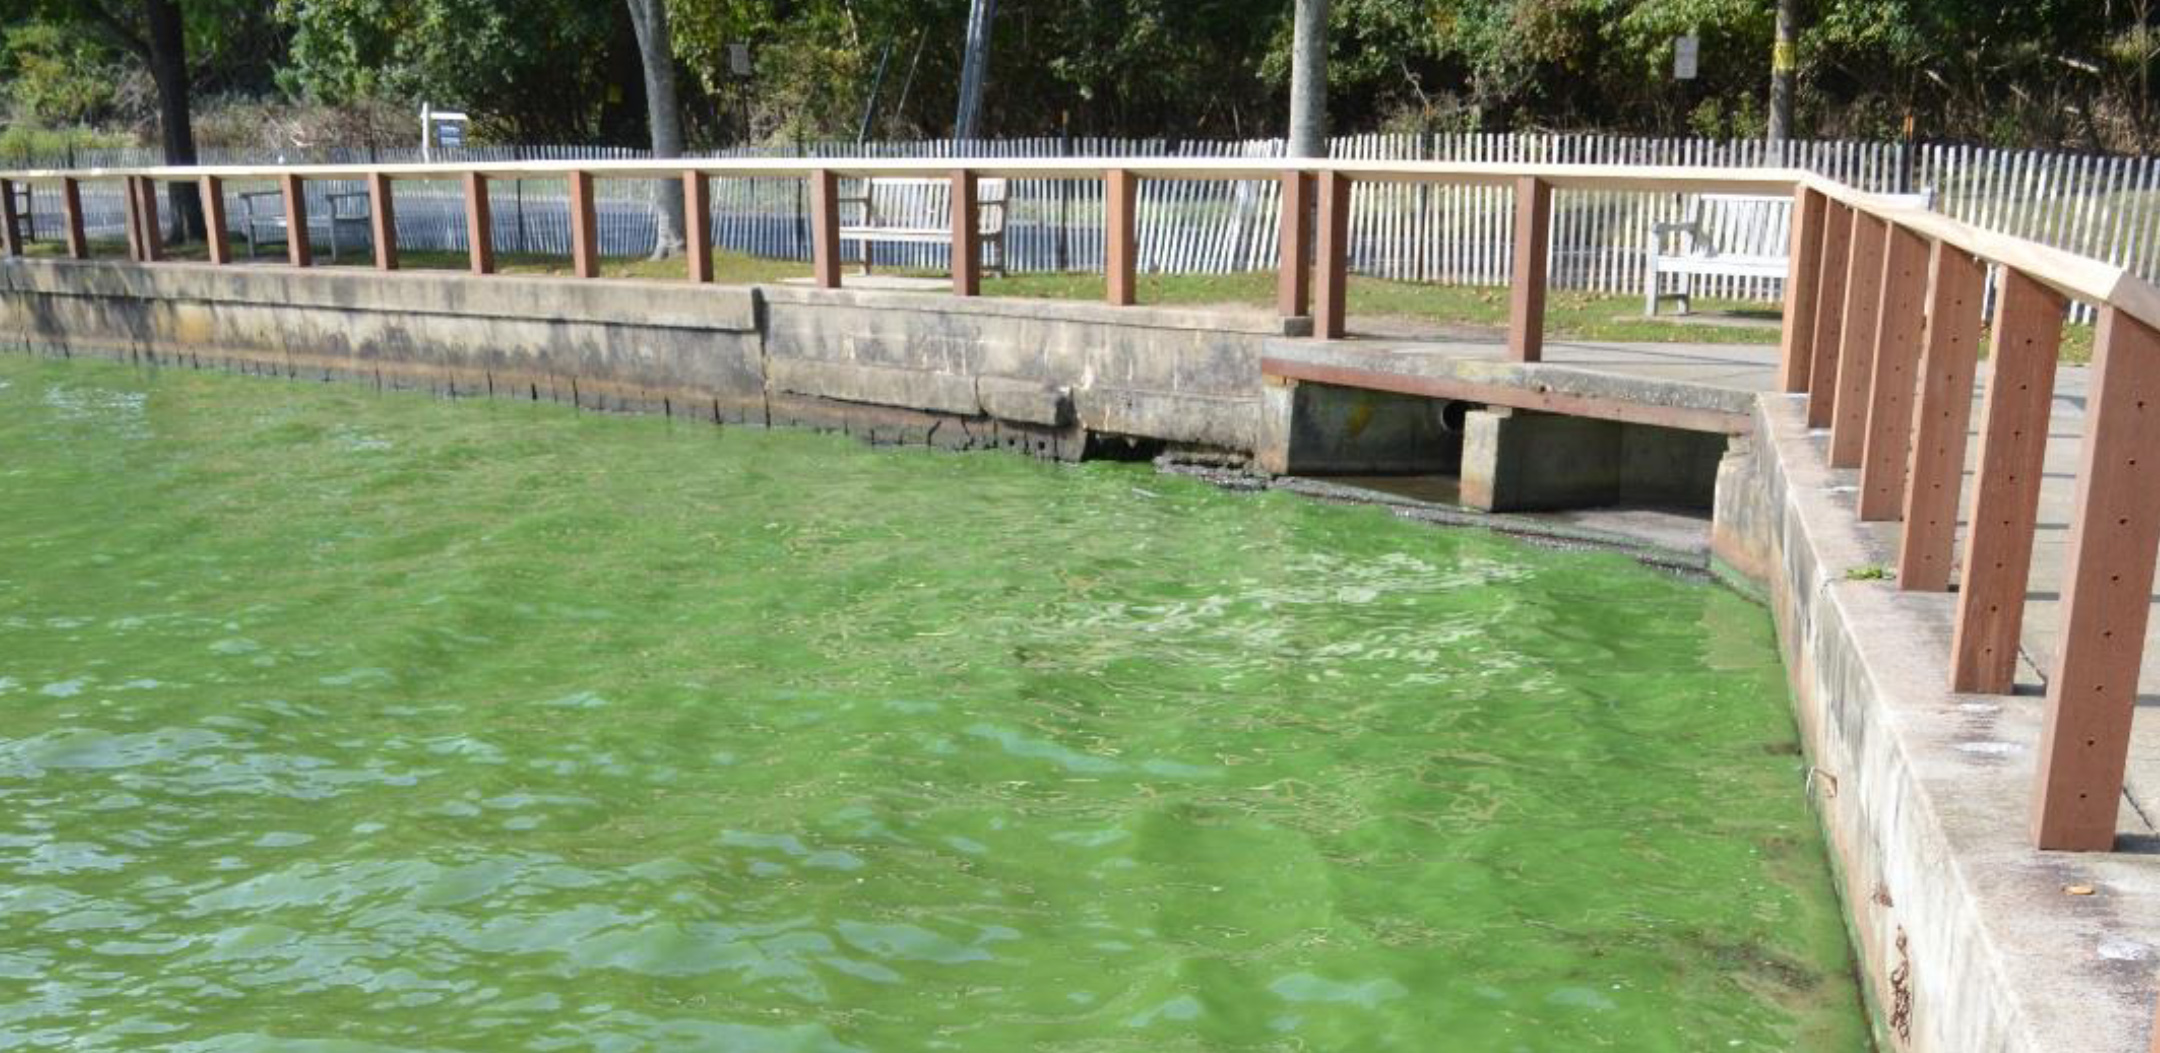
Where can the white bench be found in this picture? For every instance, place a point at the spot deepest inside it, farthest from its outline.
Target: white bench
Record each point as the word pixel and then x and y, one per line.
pixel 919 212
pixel 1726 235
pixel 262 218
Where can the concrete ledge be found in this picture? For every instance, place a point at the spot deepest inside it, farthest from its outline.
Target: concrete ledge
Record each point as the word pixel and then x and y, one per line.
pixel 1965 933
pixel 1476 373
pixel 1202 320
pixel 522 297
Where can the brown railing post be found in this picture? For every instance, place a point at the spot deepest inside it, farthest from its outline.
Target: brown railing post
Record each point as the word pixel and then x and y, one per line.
pixel 1803 276
pixel 2107 593
pixel 1331 256
pixel 1121 246
pixel 9 218
pixel 71 219
pixel 825 228
pixel 131 206
pixel 697 225
pixel 479 224
pixel 1856 345
pixel 153 239
pixel 212 191
pixel 1957 283
pixel 966 212
pixel 584 227
pixel 384 218
pixel 1829 313
pixel 297 250
pixel 2006 485
pixel 1293 263
pixel 1526 298
pixel 1899 317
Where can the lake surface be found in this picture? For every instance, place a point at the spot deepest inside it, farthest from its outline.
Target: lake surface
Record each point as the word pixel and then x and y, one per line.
pixel 333 720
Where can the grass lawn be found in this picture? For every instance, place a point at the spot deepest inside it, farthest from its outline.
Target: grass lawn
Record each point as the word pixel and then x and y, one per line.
pixel 1568 315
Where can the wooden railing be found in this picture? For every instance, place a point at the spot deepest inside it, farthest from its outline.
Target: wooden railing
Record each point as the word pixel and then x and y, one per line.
pixel 1883 315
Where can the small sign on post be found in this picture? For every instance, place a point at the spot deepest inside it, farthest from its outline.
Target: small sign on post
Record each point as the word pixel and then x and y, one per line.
pixel 1684 53
pixel 440 128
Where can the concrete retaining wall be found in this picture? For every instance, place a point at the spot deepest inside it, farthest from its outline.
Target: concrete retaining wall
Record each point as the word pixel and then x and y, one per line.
pixel 893 366
pixel 1967 938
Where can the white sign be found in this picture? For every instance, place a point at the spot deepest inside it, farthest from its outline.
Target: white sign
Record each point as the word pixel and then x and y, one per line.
pixel 1685 50
pixel 445 128
pixel 738 59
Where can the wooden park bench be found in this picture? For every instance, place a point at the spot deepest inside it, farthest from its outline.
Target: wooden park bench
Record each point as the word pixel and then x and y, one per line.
pixel 919 212
pixel 1726 235
pixel 262 219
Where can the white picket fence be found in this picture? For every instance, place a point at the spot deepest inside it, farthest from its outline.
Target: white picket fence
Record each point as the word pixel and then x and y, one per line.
pixel 2104 207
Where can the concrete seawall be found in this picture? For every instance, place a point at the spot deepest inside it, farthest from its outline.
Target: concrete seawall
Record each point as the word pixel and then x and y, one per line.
pixel 1965 935
pixel 898 367
pixel 1970 939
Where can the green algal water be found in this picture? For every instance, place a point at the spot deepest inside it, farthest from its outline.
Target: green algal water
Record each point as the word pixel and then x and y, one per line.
pixel 336 720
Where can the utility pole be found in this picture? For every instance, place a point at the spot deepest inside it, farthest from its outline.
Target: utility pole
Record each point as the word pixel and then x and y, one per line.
pixel 974 69
pixel 1308 80
pixel 1781 73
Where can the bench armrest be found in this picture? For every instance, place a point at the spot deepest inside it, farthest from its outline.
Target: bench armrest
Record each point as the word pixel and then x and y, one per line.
pixel 341 196
pixel 1690 231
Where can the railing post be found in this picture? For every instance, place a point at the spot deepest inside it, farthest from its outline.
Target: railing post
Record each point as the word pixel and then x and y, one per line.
pixel 966 213
pixel 1856 345
pixel 1829 313
pixel 1803 276
pixel 1526 298
pixel 297 250
pixel 697 225
pixel 1899 318
pixel 479 224
pixel 1121 245
pixel 11 237
pixel 825 228
pixel 1957 283
pixel 146 213
pixel 1293 263
pixel 71 219
pixel 584 227
pixel 212 191
pixel 1331 252
pixel 131 209
pixel 383 217
pixel 2107 593
pixel 2006 486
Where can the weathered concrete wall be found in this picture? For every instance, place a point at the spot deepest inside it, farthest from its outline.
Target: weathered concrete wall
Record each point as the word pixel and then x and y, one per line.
pixel 1966 936
pixel 1522 460
pixel 1320 429
pixel 902 367
pixel 603 345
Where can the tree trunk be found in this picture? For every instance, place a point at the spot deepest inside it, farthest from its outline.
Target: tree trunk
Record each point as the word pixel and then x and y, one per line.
pixel 655 46
pixel 1308 80
pixel 169 70
pixel 1781 75
pixel 974 69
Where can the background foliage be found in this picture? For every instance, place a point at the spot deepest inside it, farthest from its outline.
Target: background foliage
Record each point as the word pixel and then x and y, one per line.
pixel 297 73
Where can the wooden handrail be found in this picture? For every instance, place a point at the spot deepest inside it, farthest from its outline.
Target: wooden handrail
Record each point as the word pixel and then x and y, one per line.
pixel 2081 278
pixel 1670 179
